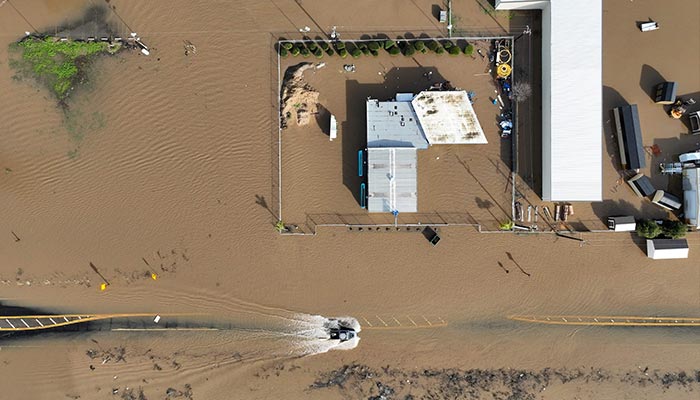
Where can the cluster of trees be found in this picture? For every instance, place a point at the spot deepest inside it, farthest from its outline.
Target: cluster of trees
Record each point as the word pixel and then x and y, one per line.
pixel 357 49
pixel 671 229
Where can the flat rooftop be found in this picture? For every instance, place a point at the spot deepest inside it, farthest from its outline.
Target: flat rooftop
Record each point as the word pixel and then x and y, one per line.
pixel 447 117
pixel 392 177
pixel 393 124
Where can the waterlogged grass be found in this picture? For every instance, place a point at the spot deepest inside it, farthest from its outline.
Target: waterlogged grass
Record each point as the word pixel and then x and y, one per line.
pixel 56 63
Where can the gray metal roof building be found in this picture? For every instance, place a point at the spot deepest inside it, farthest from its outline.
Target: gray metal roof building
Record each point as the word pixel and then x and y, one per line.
pixel 392 176
pixel 629 137
pixel 396 130
pixel 393 124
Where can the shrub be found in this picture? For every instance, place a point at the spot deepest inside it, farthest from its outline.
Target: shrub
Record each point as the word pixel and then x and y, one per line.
pixel 374 53
pixel 648 229
pixel 324 46
pixel 469 49
pixel 288 45
pixel 365 51
pixel 318 53
pixel 419 45
pixel 373 46
pixel 394 51
pixel 295 51
pixel 454 50
pixel 439 50
pixel 362 45
pixel 447 44
pixel 409 50
pixel 356 53
pixel 342 53
pixel 57 64
pixel 339 45
pixel 389 44
pixel 283 52
pixel 432 45
pixel 330 52
pixel 312 47
pixel 304 51
pixel 674 229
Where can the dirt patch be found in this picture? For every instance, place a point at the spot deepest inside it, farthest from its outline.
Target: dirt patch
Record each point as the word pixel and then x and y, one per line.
pixel 299 99
pixel 361 381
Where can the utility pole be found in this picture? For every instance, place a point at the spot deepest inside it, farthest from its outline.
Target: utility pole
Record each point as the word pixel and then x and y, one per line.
pixel 449 18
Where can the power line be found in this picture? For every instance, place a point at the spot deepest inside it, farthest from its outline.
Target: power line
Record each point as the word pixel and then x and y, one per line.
pixel 22 15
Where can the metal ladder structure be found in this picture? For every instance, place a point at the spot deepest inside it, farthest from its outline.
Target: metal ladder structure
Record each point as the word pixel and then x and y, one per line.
pixel 606 320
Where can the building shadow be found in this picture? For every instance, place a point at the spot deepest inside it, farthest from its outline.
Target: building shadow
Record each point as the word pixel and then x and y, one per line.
pixel 648 80
pixel 323 119
pixel 616 208
pixel 525 156
pixel 354 128
pixel 435 11
pixel 612 99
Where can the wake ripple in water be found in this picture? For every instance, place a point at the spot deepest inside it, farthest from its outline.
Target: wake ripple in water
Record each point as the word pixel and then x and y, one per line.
pixel 313 333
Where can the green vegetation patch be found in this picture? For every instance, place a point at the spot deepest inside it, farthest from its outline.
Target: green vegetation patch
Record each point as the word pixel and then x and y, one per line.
pixel 59 64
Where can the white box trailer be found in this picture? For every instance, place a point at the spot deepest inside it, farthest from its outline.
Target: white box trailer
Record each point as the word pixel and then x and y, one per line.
pixel 622 224
pixel 334 128
pixel 666 249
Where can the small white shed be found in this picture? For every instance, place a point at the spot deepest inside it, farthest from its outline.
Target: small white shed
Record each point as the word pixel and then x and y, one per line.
pixel 664 249
pixel 622 224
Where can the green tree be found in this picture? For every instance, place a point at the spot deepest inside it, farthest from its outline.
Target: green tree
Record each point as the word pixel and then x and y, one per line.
pixel 674 229
pixel 342 53
pixel 295 51
pixel 389 44
pixel 373 46
pixel 648 229
pixel 469 49
pixel 283 51
pixel 394 51
pixel 454 50
pixel 432 45
pixel 419 45
pixel 288 45
pixel 356 53
pixel 409 50
pixel 339 45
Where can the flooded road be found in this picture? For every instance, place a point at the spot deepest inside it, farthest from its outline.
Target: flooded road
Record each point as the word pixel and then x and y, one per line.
pixel 164 164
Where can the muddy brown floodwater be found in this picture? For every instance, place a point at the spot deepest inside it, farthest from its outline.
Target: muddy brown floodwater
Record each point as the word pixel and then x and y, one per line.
pixel 165 165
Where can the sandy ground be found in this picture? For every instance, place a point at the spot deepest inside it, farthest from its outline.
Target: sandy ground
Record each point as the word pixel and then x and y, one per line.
pixel 165 165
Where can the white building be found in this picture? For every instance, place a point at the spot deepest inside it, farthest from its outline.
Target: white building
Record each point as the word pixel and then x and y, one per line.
pixel 572 109
pixel 666 249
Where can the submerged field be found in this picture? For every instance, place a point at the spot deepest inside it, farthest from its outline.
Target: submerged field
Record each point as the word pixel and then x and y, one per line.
pixel 177 181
